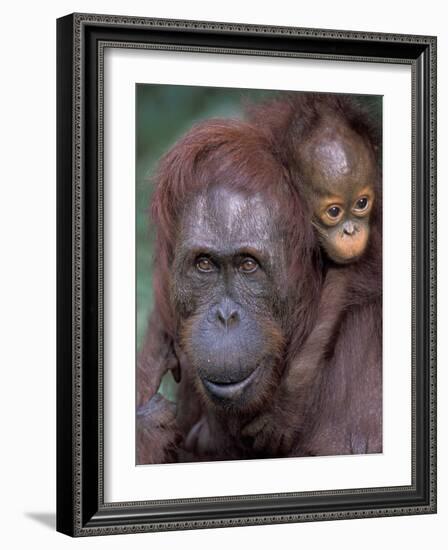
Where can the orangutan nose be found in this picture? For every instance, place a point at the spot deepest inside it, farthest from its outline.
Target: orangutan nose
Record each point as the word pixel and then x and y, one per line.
pixel 227 314
pixel 349 228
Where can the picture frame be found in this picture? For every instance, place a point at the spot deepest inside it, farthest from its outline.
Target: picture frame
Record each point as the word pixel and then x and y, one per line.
pixel 81 506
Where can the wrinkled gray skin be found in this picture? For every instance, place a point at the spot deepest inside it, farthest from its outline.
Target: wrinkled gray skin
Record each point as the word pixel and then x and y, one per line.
pixel 231 313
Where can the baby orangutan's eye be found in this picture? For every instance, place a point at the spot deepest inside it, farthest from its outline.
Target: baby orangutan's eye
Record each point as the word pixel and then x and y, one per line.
pixel 332 215
pixel 204 265
pixel 334 212
pixel 362 203
pixel 248 265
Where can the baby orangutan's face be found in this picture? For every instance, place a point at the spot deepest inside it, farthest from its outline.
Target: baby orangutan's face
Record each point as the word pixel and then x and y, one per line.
pixel 339 171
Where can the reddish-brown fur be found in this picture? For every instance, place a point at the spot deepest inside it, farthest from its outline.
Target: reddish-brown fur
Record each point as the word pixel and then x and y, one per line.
pixel 332 346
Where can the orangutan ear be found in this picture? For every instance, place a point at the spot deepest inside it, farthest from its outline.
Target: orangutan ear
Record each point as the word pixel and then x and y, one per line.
pixel 176 373
pixel 179 356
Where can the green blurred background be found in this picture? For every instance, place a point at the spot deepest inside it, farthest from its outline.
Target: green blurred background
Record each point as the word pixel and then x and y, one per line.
pixel 163 114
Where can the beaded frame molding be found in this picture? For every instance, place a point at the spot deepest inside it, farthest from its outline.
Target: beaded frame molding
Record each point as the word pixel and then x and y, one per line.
pixel 81 39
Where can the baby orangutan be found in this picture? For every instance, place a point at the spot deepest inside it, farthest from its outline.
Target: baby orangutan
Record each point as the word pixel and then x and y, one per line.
pixel 339 173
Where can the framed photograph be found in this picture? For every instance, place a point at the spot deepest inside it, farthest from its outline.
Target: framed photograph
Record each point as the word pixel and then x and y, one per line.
pixel 246 274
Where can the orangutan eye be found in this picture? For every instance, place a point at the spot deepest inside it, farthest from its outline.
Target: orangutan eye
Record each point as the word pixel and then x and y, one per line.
pixel 204 264
pixel 334 211
pixel 248 265
pixel 362 203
